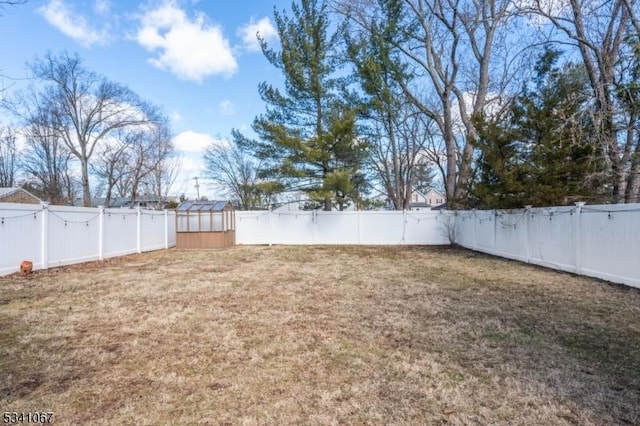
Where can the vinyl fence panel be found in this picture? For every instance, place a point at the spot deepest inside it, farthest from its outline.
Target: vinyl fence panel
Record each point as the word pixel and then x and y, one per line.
pixel 319 227
pixel 72 235
pixel 120 232
pixel 152 230
pixel 601 241
pixel 52 236
pixel 20 236
pixel 609 242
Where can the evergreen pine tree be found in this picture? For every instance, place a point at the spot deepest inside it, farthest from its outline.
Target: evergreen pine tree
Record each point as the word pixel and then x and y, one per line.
pixel 542 152
pixel 308 137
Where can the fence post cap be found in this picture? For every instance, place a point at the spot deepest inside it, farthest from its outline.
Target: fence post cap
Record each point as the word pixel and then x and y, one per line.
pixel 580 203
pixel 528 206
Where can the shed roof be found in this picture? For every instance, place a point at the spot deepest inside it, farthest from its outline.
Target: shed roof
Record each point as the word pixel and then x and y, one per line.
pixel 213 205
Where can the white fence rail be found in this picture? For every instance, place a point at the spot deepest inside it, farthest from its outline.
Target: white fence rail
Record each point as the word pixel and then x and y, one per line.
pixel 371 228
pixel 52 236
pixel 601 241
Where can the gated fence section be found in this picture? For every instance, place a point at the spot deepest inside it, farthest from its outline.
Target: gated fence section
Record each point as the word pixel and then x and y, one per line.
pixel 57 235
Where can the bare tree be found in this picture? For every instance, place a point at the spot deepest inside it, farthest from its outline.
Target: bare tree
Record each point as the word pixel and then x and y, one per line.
pixel 234 173
pixel 456 53
pixel 112 163
pixel 86 107
pixel 167 164
pixel 142 161
pixel 148 149
pixel 397 130
pixel 8 156
pixel 47 160
pixel 396 160
pixel 5 3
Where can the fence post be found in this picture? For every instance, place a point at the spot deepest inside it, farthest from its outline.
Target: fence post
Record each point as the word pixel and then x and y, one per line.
pixel 269 226
pixel 359 236
pixel 139 230
pixel 495 229
pixel 527 250
pixel 166 229
pixel 577 237
pixel 100 232
pixel 44 236
pixel 474 242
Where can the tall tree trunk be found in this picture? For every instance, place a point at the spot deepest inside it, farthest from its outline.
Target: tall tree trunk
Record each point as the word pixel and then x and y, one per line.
pixel 86 190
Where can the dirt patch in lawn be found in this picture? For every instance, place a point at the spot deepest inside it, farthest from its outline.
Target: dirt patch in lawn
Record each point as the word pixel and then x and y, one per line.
pixel 319 335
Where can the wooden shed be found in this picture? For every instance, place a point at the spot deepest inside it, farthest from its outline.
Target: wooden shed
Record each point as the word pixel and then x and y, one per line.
pixel 205 225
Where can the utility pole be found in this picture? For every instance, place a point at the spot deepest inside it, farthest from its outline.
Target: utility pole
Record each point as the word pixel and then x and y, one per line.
pixel 197 188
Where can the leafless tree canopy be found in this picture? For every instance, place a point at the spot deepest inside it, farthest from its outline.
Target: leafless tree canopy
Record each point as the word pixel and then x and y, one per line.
pixel 234 172
pixel 8 3
pixel 74 118
pixel 86 108
pixel 8 157
pixel 466 58
pixel 457 65
pixel 46 161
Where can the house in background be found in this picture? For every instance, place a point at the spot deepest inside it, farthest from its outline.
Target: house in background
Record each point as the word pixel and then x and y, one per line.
pixel 420 201
pixel 18 195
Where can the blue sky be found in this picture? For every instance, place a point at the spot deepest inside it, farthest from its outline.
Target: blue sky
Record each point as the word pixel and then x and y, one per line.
pixel 198 60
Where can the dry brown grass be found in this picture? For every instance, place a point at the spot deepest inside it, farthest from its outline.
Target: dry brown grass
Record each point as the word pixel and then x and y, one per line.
pixel 319 335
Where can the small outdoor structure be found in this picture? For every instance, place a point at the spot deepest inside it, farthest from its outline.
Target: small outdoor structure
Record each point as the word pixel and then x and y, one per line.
pixel 205 225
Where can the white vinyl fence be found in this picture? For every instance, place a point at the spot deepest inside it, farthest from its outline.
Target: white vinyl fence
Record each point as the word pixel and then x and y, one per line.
pixel 601 241
pixel 357 227
pixel 52 236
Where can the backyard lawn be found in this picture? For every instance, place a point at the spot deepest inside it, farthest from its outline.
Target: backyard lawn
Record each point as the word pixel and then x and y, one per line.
pixel 319 335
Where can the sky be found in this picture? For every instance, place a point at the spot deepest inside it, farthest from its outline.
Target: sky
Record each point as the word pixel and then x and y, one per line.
pixel 199 61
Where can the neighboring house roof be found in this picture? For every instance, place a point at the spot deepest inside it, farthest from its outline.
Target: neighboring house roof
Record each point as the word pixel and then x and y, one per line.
pixel 7 192
pixel 436 192
pixel 444 206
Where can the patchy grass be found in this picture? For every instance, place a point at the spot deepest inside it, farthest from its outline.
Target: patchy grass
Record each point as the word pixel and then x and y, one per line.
pixel 319 335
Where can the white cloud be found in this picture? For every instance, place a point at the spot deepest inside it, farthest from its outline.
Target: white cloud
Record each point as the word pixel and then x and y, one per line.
pixel 102 7
pixel 190 141
pixel 190 48
pixel 190 167
pixel 176 116
pixel 249 32
pixel 226 108
pixel 74 25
